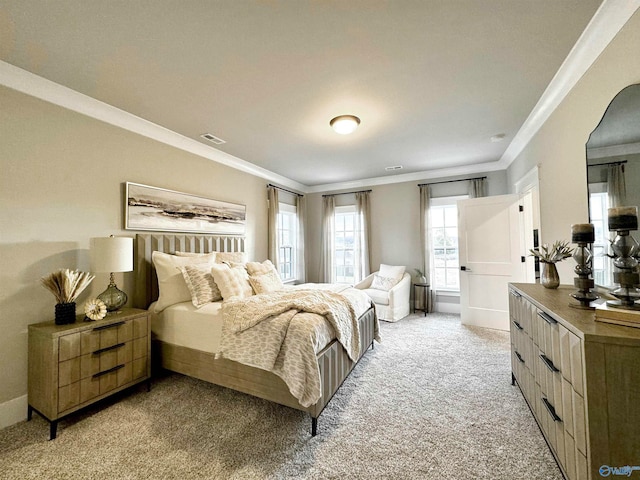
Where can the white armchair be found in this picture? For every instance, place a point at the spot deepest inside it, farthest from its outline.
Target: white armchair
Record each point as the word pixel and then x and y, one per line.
pixel 390 305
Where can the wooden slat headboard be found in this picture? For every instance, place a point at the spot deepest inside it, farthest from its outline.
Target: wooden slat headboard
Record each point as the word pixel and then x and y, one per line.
pixel 146 287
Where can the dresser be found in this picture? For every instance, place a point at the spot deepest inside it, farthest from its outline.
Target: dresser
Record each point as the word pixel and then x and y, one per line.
pixel 581 379
pixel 72 366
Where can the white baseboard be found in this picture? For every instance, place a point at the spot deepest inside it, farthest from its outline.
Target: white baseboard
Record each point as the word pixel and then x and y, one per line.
pixel 13 411
pixel 444 307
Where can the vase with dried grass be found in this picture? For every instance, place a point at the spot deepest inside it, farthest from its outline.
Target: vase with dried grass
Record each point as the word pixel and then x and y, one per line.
pixel 66 285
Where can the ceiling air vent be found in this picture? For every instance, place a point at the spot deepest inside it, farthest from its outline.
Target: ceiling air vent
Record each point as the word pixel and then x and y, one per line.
pixel 395 167
pixel 213 138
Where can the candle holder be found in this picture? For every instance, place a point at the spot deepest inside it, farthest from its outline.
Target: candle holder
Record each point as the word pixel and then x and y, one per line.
pixel 622 220
pixel 583 234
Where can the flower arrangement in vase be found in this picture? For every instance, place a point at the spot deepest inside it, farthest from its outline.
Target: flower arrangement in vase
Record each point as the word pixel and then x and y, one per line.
pixel 66 285
pixel 560 250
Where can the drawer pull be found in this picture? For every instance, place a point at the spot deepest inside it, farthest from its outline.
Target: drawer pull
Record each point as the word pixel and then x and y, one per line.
pixel 547 361
pixel 552 411
pixel 547 318
pixel 111 325
pixel 519 356
pixel 106 349
pixel 515 294
pixel 117 367
pixel 518 326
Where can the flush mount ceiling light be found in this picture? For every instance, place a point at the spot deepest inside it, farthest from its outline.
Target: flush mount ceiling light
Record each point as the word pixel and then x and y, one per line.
pixel 344 124
pixel 498 138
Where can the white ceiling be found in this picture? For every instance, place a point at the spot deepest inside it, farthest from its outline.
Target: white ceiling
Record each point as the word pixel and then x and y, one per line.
pixel 431 80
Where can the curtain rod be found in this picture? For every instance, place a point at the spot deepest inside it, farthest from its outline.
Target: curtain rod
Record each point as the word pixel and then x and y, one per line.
pixel 285 190
pixel 450 181
pixel 621 162
pixel 345 193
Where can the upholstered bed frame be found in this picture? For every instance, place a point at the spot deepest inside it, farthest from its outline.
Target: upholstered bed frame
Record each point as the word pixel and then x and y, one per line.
pixel 335 364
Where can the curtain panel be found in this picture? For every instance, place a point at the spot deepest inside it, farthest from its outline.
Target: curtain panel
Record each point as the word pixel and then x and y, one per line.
pixel 616 185
pixel 272 227
pixel 425 241
pixel 301 270
pixel 477 188
pixel 328 228
pixel 363 236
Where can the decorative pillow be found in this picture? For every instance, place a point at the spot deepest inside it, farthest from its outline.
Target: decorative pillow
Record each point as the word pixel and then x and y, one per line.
pixel 267 282
pixel 228 257
pixel 201 285
pixel 383 283
pixel 257 268
pixel 391 271
pixel 232 282
pixel 171 285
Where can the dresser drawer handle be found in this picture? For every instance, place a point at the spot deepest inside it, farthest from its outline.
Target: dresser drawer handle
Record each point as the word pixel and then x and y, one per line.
pixel 515 294
pixel 547 318
pixel 552 411
pixel 117 367
pixel 519 356
pixel 518 326
pixel 547 361
pixel 106 349
pixel 111 325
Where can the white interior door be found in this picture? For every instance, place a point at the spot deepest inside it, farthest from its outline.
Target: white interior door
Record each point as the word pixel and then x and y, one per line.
pixel 491 250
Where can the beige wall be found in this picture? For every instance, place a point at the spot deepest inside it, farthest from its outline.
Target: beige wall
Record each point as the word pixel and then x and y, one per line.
pixel 559 146
pixel 62 183
pixel 395 220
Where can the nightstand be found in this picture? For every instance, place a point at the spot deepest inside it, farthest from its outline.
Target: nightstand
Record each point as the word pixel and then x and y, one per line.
pixel 75 365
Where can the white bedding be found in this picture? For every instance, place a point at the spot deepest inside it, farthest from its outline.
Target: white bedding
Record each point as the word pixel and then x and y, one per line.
pixel 187 326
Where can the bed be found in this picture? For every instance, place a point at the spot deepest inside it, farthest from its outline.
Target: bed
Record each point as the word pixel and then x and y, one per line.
pixel 174 352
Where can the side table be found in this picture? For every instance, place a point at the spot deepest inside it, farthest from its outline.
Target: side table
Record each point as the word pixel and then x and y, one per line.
pixel 421 290
pixel 75 365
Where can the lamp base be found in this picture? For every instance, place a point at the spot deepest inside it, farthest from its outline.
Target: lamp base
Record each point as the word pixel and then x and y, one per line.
pixel 113 298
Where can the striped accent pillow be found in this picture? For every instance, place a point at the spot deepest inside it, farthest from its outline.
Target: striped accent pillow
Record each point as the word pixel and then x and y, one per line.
pixel 200 284
pixel 232 282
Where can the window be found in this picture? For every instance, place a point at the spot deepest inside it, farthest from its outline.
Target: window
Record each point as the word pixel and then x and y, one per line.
pixel 287 241
pixel 598 206
pixel 444 243
pixel 344 245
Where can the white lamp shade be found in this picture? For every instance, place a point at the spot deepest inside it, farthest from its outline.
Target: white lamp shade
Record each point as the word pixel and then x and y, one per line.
pixel 111 254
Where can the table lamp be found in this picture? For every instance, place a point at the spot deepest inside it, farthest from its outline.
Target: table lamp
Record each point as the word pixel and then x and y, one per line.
pixel 112 254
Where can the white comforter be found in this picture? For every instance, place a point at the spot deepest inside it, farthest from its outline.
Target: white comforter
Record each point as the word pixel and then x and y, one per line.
pixel 276 332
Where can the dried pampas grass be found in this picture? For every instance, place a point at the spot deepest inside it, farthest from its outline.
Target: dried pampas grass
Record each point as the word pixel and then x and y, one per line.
pixel 67 284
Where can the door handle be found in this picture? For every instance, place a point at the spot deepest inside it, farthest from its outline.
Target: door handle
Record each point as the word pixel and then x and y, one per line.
pixel 465 269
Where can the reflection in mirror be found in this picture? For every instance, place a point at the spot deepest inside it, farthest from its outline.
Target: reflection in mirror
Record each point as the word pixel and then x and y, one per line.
pixel 613 172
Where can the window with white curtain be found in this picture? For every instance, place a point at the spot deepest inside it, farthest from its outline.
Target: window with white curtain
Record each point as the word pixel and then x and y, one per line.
pixel 344 244
pixel 287 241
pixel 598 206
pixel 445 266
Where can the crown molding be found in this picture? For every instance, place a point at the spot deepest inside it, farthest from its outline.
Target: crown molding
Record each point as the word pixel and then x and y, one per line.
pixel 608 20
pixel 409 177
pixel 28 83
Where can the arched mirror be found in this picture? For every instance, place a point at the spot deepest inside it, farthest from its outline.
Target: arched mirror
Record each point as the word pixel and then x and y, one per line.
pixel 613 172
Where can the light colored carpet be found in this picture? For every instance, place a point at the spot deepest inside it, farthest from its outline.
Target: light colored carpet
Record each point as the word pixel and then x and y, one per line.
pixel 433 401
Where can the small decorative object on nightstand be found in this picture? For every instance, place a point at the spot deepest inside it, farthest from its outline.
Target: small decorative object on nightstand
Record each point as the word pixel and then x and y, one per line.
pixel 112 254
pixel 72 366
pixel 66 285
